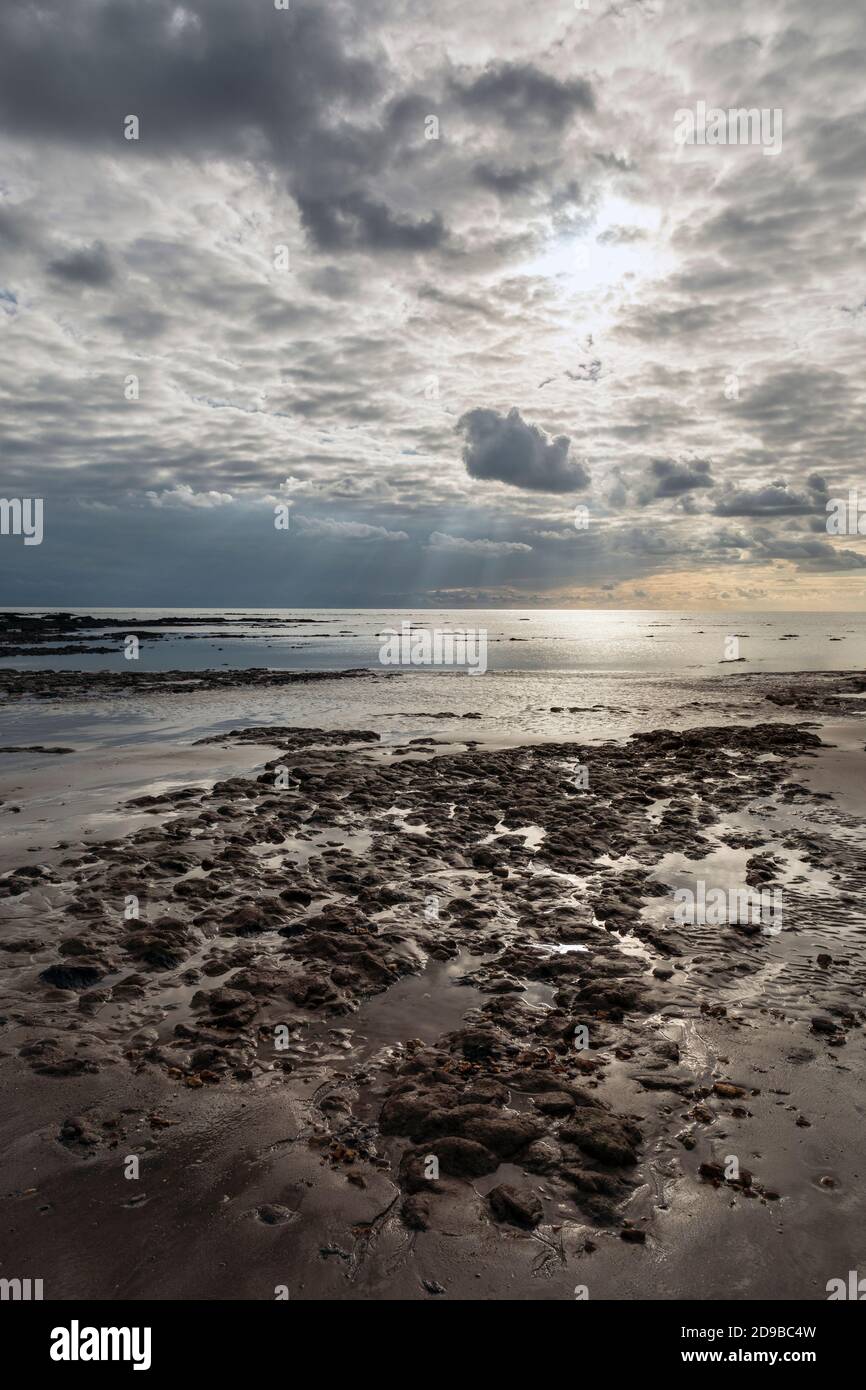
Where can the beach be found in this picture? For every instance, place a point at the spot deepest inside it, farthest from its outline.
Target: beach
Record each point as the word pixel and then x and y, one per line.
pixel 354 984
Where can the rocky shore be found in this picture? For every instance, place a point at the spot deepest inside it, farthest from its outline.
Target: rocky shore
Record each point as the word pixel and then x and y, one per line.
pixel 71 685
pixel 407 1004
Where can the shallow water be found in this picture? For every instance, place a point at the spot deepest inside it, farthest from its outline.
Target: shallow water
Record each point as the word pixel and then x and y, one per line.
pixel 535 639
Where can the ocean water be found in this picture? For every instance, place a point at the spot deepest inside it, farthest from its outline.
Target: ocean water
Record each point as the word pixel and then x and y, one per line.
pixel 552 675
pixel 538 640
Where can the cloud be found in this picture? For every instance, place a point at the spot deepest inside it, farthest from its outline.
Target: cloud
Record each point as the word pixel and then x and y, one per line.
pixel 355 222
pixel 670 479
pixel 775 499
pixel 231 80
pixel 183 496
pixel 818 556
pixel 622 236
pixel 517 93
pixel 449 544
pixel 428 276
pixel 806 405
pixel 506 449
pixel 650 322
pixel 506 181
pixel 90 266
pixel 325 528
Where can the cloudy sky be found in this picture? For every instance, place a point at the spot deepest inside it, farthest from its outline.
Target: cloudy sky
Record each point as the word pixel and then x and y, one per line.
pixel 441 279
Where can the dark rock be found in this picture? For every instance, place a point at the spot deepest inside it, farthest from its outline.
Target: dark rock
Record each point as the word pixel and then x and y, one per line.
pixel 463 1158
pixel 272 1214
pixel 609 1138
pixel 78 976
pixel 516 1205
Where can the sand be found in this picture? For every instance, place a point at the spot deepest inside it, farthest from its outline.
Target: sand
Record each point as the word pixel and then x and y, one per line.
pixel 351 958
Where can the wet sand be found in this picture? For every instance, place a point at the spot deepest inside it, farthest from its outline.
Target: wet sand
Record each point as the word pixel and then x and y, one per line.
pixel 351 957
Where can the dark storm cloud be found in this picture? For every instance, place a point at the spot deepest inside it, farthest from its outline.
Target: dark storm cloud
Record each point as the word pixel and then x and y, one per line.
pixel 202 73
pixel 506 181
pixel 507 449
pixel 90 266
pixel 776 499
pixel 818 556
pixel 219 78
pixel 354 222
pixel 517 93
pixel 668 479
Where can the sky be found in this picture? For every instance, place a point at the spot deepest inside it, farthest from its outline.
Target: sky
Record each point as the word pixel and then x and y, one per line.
pixel 433 304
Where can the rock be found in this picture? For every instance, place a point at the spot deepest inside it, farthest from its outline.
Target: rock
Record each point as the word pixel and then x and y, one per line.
pixel 664 1081
pixel 412 1173
pixel 822 1024
pixel 502 1134
pixel 75 946
pixel 463 1158
pixel 252 918
pixel 541 1156
pixel 162 944
pixel 484 1091
pixel 604 1184
pixel 516 1206
pixel 728 1091
pixel 65 1066
pixel 536 1083
pixel 233 1009
pixel 420 1114
pixel 613 998
pixel 79 1131
pixel 633 1235
pixel 220 1001
pixel 272 1214
pixel 555 1103
pixel 609 1138
pixel 479 1043
pixel 77 976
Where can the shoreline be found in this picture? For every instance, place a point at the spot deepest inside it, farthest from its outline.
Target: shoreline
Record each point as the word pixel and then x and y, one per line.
pixel 308 906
